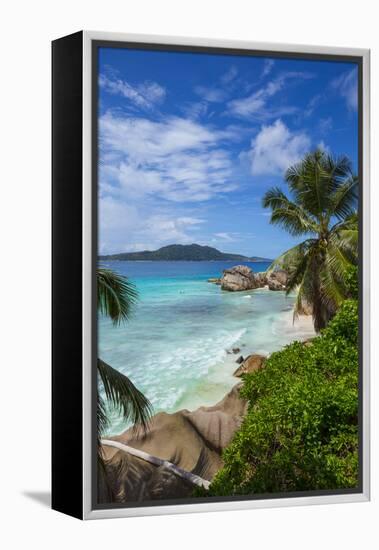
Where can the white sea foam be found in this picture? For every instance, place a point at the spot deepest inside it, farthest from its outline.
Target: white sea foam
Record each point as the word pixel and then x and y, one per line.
pixel 175 347
pixel 299 328
pixel 179 368
pixel 172 379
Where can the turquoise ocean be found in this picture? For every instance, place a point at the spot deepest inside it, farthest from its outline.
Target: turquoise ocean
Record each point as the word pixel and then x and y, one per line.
pixel 176 346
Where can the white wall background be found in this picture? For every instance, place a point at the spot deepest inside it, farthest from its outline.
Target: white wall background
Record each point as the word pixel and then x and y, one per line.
pixel 27 27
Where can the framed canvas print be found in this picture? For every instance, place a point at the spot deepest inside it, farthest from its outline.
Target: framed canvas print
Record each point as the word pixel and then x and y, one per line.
pixel 210 275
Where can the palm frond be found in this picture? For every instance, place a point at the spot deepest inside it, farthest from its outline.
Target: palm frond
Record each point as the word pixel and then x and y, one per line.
pixel 337 261
pixel 296 274
pixel 274 198
pixel 304 292
pixel 332 292
pixel 298 306
pixel 339 168
pixel 310 291
pixel 124 396
pixel 345 236
pixel 104 484
pixel 289 258
pixel 102 419
pixel 288 214
pixel 308 183
pixel 102 425
pixel 348 243
pixel 344 199
pixel 314 180
pixel 116 295
pixel 293 220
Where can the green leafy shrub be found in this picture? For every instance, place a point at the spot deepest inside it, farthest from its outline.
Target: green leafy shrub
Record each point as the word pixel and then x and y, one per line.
pixel 351 281
pixel 300 432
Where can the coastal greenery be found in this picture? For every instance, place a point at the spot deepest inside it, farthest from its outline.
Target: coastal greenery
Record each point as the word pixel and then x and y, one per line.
pixel 116 296
pixel 321 208
pixel 301 429
pixel 300 432
pixel 183 252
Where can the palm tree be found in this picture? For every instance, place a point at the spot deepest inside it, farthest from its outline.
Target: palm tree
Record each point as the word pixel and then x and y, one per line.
pixel 116 297
pixel 322 207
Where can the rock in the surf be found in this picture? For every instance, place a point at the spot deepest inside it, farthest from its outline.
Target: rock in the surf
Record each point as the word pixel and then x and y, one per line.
pixel 237 278
pixel 261 279
pixel 277 280
pixel 250 364
pixel 241 277
pixel 215 280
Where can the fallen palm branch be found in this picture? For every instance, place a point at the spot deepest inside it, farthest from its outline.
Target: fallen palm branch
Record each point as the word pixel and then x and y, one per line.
pixel 183 474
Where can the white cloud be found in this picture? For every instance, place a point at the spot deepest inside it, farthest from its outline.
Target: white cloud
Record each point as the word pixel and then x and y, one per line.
pixel 152 91
pixel 144 139
pixel 169 229
pixel 125 228
pixel 268 65
pixel 313 103
pixel 196 109
pixel 147 168
pixel 117 221
pixel 145 95
pixel 249 105
pixel 213 95
pixel 116 215
pixel 325 124
pixel 323 147
pixel 347 86
pixel 225 236
pixel 221 91
pixel 229 75
pixel 176 159
pixel 275 148
pixel 255 105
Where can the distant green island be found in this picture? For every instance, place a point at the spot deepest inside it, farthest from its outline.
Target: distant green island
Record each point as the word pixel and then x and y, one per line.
pixel 183 252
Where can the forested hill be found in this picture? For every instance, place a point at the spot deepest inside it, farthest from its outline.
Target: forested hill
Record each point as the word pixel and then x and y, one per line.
pixel 184 252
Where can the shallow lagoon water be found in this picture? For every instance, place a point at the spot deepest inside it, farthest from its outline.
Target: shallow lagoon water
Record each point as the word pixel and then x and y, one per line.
pixel 175 347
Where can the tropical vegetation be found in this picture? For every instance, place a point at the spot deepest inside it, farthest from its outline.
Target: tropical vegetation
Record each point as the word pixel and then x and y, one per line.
pixel 301 429
pixel 300 432
pixel 116 296
pixel 322 208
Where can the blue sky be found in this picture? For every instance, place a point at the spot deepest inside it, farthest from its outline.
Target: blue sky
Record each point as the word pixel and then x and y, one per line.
pixel 190 142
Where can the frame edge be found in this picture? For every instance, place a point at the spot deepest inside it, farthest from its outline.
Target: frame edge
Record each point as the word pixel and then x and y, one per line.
pixel 364 495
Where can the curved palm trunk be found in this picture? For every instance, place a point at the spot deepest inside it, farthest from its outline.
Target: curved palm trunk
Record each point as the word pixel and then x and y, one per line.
pixel 319 320
pixel 179 472
pixel 318 309
pixel 321 313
